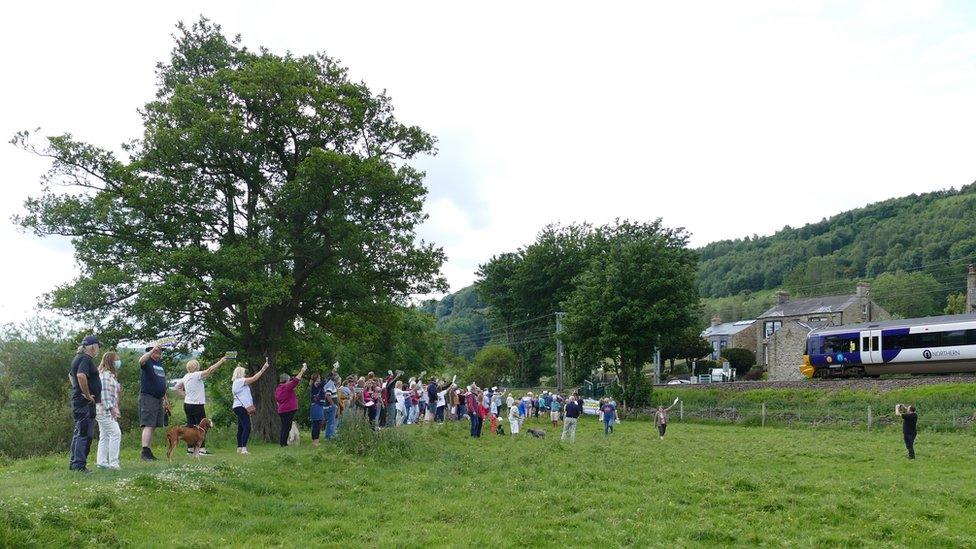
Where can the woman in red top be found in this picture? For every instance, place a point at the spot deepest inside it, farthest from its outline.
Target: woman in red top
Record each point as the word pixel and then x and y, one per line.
pixel 287 402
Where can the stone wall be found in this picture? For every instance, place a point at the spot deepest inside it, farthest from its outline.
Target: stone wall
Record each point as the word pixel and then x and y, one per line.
pixel 786 348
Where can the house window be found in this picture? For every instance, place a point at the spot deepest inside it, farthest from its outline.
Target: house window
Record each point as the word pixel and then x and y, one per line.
pixel 864 312
pixel 770 327
pixel 765 355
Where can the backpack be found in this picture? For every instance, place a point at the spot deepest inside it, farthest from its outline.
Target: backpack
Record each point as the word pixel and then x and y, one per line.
pixel 432 393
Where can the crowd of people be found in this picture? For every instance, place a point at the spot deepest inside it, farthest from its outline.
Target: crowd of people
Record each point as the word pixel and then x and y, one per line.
pixel 384 402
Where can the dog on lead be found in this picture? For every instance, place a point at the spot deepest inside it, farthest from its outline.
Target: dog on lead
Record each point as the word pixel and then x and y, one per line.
pixel 193 436
pixel 537 433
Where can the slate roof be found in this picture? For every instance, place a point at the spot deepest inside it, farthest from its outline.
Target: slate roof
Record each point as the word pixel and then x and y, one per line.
pixel 811 305
pixel 727 329
pixel 902 323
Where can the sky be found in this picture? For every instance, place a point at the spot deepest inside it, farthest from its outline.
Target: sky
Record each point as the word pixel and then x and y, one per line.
pixel 726 118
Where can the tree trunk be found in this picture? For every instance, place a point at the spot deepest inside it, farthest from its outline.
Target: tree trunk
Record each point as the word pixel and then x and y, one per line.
pixel 264 422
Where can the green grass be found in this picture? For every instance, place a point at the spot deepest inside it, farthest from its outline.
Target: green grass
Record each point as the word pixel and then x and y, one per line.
pixel 705 485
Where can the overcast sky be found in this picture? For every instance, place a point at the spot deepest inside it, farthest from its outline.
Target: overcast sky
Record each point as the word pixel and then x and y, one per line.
pixel 727 118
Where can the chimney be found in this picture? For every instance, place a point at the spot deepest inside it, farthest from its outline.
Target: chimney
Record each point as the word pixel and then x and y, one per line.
pixel 971 289
pixel 716 320
pixel 862 289
pixel 782 297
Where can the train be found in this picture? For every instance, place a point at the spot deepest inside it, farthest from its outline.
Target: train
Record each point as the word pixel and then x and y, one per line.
pixel 931 345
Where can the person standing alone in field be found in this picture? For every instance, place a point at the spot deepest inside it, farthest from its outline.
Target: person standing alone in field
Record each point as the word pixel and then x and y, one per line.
pixel 609 412
pixel 661 417
pixel 909 426
pixel 86 391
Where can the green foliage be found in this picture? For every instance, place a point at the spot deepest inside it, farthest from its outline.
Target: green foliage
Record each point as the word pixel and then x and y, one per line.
pixel 932 232
pixel 746 304
pixel 638 294
pixel 955 304
pixel 462 316
pixel 742 360
pixel 491 365
pixel 687 344
pixel 358 438
pixel 908 295
pixel 267 192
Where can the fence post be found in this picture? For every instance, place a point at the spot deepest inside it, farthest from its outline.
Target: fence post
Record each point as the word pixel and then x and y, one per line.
pixel 763 414
pixel 869 418
pixel 681 410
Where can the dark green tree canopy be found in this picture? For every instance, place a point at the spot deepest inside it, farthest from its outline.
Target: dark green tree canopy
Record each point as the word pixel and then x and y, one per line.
pixel 267 192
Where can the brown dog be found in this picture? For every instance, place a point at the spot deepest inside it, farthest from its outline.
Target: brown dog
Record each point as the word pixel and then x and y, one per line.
pixel 192 435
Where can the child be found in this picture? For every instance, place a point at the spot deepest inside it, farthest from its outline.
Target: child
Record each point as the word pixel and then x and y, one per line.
pixel 554 412
pixel 609 412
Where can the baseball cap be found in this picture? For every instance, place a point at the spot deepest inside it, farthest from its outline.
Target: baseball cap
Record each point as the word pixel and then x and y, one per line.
pixel 90 340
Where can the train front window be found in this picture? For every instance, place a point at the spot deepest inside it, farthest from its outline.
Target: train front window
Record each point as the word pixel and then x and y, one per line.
pixel 840 344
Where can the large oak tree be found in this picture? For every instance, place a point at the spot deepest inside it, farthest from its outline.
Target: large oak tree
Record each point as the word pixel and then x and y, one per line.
pixel 268 192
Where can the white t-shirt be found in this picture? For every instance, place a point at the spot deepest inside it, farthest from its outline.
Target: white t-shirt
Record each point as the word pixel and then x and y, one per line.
pixel 400 396
pixel 441 401
pixel 193 385
pixel 242 393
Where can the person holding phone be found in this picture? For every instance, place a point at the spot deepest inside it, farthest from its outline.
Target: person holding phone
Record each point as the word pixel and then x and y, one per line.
pixel 287 402
pixel 243 404
pixel 909 426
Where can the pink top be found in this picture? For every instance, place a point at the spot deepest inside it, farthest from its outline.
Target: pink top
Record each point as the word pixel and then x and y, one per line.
pixel 285 395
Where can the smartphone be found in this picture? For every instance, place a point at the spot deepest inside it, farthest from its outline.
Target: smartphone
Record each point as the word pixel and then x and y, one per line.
pixel 230 355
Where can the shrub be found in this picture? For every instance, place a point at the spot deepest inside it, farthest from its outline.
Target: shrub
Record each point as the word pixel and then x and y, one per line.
pixel 356 436
pixel 636 394
pixel 754 374
pixel 740 359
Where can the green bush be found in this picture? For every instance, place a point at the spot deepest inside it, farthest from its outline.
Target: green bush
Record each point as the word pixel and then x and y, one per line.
pixel 740 359
pixel 31 426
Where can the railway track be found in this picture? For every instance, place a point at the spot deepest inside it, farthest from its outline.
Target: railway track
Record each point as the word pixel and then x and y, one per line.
pixel 878 384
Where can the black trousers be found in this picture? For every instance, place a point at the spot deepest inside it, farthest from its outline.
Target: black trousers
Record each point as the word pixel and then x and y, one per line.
pixel 286 420
pixel 910 444
pixel 316 428
pixel 662 428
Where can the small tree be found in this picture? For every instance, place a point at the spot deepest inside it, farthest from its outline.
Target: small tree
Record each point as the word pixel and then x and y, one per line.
pixel 740 359
pixel 492 364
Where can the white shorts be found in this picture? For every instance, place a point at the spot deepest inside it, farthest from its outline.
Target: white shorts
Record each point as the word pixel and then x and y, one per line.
pixel 554 416
pixel 515 426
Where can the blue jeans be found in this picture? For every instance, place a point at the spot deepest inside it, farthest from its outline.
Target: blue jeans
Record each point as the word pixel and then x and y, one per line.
pixel 84 416
pixel 607 426
pixel 476 421
pixel 243 426
pixel 330 422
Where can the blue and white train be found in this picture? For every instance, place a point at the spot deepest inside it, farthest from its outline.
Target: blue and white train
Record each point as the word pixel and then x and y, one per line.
pixel 932 345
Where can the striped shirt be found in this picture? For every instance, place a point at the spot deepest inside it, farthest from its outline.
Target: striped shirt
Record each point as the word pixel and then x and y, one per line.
pixel 110 393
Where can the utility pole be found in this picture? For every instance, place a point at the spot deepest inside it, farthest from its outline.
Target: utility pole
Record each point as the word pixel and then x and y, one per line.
pixel 560 354
pixel 657 363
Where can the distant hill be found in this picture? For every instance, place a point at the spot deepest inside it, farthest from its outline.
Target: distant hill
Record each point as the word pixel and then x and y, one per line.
pixel 933 232
pixel 461 314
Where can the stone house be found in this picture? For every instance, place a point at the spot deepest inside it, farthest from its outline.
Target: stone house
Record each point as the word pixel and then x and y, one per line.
pixel 781 354
pixel 740 334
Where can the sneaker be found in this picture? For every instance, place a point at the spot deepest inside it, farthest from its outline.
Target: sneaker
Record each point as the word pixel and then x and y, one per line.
pixel 204 452
pixel 82 470
pixel 147 455
pixel 100 466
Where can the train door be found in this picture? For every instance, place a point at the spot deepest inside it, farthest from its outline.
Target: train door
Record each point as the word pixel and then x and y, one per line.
pixel 871 347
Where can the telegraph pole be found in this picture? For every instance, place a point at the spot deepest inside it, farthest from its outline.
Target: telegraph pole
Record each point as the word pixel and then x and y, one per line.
pixel 560 354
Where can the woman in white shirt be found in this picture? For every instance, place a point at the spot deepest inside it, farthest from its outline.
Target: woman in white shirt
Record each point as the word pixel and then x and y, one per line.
pixel 243 403
pixel 400 396
pixel 194 395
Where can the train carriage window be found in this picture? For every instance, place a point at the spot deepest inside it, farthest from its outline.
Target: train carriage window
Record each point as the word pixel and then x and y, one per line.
pixel 929 339
pixel 864 344
pixel 955 337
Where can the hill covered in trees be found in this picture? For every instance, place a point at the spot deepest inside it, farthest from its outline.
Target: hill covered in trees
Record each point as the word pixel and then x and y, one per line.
pixel 932 233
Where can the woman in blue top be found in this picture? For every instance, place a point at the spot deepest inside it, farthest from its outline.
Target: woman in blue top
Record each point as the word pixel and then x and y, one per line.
pixel 316 390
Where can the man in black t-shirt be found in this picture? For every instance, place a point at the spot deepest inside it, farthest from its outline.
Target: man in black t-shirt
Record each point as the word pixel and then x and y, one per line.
pixel 86 390
pixel 573 409
pixel 909 426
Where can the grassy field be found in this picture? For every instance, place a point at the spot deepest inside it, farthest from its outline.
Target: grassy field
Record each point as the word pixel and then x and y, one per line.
pixel 704 485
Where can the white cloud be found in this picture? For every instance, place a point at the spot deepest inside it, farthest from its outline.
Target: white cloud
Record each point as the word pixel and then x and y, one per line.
pixel 726 118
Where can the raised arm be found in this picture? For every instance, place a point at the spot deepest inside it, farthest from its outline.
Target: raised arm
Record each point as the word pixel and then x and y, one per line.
pixel 301 372
pixel 257 376
pixel 213 368
pixel 145 358
pixel 673 404
pixel 898 409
